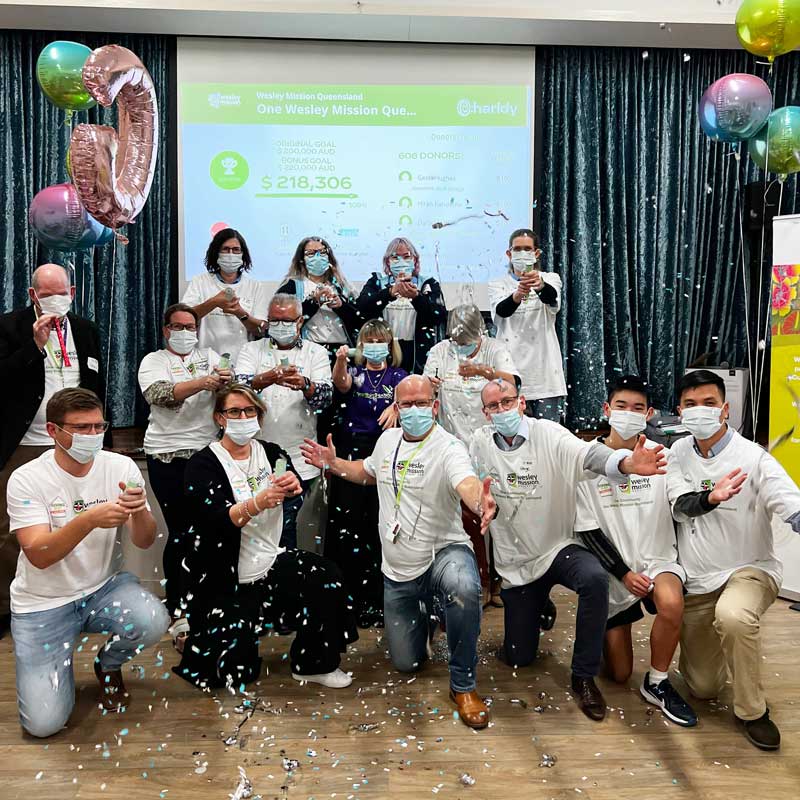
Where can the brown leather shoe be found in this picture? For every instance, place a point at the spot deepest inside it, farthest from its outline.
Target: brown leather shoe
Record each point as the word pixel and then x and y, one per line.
pixel 589 698
pixel 471 709
pixel 113 694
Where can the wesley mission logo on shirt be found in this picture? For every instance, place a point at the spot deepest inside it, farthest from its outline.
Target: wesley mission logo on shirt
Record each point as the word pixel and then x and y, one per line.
pixel 634 492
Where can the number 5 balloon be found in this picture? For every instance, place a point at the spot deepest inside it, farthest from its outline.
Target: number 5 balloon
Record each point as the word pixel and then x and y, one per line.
pixel 113 173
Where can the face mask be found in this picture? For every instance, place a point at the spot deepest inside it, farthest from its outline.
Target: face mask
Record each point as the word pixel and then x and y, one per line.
pixel 318 264
pixel 57 304
pixel 182 342
pixel 376 352
pixel 283 332
pixel 701 421
pixel 241 431
pixel 522 261
pixel 229 262
pixel 627 423
pixel 466 350
pixel 507 423
pixel 416 421
pixel 402 265
pixel 85 446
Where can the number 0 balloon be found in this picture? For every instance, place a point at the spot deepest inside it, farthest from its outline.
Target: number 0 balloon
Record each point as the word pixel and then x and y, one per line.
pixel 113 172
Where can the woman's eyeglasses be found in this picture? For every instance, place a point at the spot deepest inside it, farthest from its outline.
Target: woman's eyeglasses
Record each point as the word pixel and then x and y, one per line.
pixel 238 413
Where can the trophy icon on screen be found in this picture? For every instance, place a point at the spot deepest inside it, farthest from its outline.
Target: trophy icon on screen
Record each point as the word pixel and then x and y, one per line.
pixel 229 164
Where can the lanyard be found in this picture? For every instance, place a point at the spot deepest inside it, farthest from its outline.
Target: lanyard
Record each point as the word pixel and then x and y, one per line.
pixel 398 491
pixel 62 341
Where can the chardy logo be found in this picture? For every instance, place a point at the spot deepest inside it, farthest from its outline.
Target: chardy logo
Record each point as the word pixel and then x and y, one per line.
pixel 229 170
pixel 217 100
pixel 469 108
pixel 706 485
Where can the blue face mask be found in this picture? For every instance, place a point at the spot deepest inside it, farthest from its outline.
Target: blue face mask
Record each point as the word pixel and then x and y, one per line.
pixel 466 350
pixel 318 264
pixel 375 352
pixel 416 421
pixel 507 423
pixel 402 265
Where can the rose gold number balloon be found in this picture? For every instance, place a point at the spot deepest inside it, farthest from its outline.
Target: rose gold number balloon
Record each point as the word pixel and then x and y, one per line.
pixel 113 173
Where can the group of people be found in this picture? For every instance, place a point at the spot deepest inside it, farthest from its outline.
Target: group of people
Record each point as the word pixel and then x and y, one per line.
pixel 449 485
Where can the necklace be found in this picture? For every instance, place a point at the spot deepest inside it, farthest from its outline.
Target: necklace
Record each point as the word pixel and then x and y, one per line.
pixel 381 376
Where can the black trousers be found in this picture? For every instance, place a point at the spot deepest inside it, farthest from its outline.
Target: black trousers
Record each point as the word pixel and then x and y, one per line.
pixel 579 570
pixel 351 536
pixel 167 483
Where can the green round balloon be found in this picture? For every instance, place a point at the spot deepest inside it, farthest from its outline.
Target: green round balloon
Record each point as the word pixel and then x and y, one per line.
pixel 59 72
pixel 776 147
pixel 769 28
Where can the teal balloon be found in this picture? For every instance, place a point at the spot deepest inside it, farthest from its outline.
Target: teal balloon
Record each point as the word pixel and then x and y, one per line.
pixel 776 147
pixel 59 70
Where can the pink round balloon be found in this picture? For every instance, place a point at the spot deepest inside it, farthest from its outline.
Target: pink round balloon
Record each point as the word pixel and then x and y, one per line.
pixel 734 107
pixel 217 227
pixel 60 221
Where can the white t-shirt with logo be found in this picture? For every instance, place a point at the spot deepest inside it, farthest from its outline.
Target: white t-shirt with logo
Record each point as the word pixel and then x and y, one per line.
pixel 635 516
pixel 226 333
pixel 325 327
pixel 56 377
pixel 534 487
pixel 189 426
pixel 461 409
pixel 41 493
pixel 401 316
pixel 262 534
pixel 429 516
pixel 738 533
pixel 530 335
pixel 289 418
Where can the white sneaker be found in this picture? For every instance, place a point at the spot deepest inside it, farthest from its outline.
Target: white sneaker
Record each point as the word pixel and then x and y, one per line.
pixel 333 680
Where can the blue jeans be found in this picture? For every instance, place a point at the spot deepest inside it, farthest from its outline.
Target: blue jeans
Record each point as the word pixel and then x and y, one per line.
pixel 44 643
pixel 550 408
pixel 453 578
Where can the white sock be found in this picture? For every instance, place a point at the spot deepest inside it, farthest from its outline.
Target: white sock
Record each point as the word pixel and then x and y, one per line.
pixel 656 676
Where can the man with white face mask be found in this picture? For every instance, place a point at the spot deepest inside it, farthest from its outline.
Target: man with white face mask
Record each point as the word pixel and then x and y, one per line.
pixel 179 383
pixel 524 305
pixel 70 509
pixel 534 466
pixel 293 377
pixel 724 491
pixel 44 347
pixel 629 528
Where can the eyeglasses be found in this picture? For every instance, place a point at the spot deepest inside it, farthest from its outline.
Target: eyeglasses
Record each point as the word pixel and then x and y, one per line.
pixel 88 428
pixel 238 413
pixel 174 326
pixel 405 405
pixel 290 321
pixel 399 256
pixel 323 251
pixel 507 403
pixel 237 251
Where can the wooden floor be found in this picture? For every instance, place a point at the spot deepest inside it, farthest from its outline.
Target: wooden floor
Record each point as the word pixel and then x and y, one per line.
pixel 170 744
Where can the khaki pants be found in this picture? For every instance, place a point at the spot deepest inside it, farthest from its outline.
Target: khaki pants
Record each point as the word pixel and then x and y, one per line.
pixel 9 547
pixel 721 634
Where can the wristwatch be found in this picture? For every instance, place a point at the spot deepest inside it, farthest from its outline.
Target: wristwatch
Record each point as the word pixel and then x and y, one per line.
pixel 244 318
pixel 308 384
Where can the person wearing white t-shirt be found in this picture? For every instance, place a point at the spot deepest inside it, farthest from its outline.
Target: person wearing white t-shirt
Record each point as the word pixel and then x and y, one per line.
pixel 232 305
pixel 179 383
pixel 423 474
pixel 534 466
pixel 629 528
pixel 524 305
pixel 293 377
pixel 69 509
pixel 724 491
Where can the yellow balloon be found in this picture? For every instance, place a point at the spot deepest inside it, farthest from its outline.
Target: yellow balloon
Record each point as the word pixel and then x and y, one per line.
pixel 769 27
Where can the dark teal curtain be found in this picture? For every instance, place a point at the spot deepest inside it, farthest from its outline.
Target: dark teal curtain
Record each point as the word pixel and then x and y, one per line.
pixel 125 296
pixel 639 214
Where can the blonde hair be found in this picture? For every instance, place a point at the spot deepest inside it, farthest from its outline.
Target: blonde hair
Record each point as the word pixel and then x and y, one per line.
pixel 378 328
pixel 239 388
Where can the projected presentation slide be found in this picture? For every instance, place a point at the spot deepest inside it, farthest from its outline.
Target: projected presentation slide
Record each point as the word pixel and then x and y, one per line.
pixel 448 166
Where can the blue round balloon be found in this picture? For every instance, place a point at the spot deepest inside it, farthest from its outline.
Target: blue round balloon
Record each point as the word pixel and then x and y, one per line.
pixel 734 107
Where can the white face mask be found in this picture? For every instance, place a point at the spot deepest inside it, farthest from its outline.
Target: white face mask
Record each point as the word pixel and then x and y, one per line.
pixel 241 431
pixel 701 421
pixel 229 262
pixel 283 332
pixel 57 304
pixel 627 423
pixel 85 446
pixel 182 342
pixel 523 261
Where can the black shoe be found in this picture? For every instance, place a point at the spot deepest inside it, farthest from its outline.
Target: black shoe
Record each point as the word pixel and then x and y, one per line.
pixel 548 618
pixel 589 698
pixel 5 624
pixel 669 701
pixel 761 732
pixel 379 623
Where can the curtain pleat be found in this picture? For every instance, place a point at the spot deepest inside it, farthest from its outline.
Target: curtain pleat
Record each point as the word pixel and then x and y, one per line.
pixel 125 296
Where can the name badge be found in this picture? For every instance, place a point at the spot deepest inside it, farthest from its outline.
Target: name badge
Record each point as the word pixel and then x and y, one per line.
pixel 93 364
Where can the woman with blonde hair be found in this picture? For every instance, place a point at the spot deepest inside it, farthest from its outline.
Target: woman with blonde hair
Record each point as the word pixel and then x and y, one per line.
pixel 366 392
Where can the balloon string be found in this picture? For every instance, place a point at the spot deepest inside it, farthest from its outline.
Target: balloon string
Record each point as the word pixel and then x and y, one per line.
pixel 110 320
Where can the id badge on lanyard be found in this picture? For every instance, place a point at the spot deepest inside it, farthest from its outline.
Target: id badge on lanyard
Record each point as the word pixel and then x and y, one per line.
pixel 393 528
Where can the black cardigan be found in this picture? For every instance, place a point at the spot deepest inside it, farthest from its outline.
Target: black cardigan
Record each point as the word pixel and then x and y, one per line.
pixel 22 364
pixel 347 311
pixel 431 317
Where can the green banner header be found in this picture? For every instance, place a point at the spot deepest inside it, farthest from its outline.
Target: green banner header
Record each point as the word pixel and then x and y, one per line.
pixel 301 104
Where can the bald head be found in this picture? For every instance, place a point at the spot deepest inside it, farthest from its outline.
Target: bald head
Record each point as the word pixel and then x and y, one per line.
pixel 50 279
pixel 414 388
pixel 496 390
